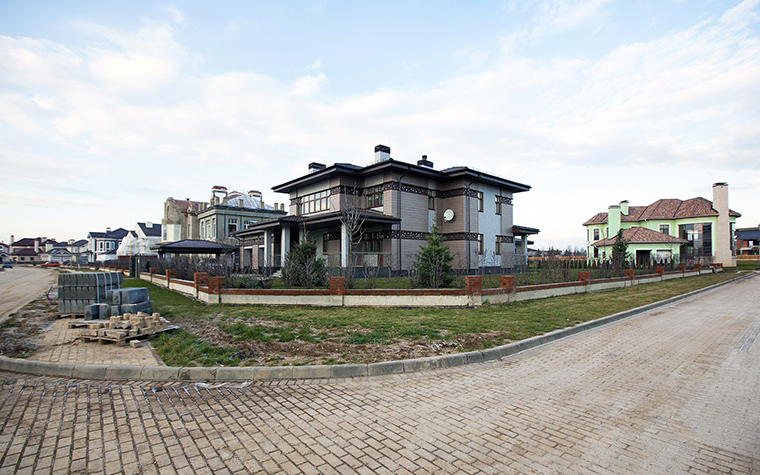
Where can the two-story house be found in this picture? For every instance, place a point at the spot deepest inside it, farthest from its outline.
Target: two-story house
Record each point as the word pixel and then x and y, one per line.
pixel 102 246
pixel 228 212
pixel 31 250
pixel 395 204
pixel 141 241
pixel 690 230
pixel 180 220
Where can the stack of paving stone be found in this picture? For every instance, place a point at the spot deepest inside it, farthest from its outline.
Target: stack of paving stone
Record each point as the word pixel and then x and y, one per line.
pixel 120 301
pixel 77 290
pixel 120 329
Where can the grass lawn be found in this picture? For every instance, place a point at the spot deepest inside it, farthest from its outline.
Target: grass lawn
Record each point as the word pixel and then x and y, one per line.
pixel 218 332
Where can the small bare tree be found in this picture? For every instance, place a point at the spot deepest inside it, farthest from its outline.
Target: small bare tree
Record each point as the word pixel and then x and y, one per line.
pixel 352 217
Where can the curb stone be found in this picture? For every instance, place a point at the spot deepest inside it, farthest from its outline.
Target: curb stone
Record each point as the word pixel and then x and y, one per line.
pixel 271 373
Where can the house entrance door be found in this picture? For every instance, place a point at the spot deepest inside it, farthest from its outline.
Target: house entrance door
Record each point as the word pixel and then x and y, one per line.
pixel 643 257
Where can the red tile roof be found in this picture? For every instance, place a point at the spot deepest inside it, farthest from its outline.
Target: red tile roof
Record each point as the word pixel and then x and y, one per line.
pixel 665 209
pixel 639 235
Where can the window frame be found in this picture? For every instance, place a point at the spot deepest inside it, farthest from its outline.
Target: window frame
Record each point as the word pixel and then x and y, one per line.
pixel 314 202
pixel 374 196
pixel 480 197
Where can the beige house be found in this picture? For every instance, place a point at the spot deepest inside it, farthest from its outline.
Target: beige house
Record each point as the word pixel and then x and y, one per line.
pixel 380 215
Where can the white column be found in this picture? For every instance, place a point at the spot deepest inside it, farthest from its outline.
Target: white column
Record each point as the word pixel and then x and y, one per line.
pixel 267 249
pixel 284 243
pixel 345 243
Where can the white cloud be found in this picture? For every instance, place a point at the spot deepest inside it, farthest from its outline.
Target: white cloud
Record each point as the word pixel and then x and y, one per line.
pixel 175 13
pixel 133 109
pixel 308 85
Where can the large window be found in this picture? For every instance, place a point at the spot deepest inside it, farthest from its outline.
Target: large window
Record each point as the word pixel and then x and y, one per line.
pixel 480 201
pixel 374 196
pixel 431 199
pixel 232 225
pixel 497 247
pixel 314 202
pixel 665 228
pixel 373 242
pixel 480 244
pixel 699 237
pixel 497 200
pixel 596 234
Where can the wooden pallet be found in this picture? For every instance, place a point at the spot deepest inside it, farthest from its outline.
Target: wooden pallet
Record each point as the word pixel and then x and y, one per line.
pixel 122 340
pixel 82 323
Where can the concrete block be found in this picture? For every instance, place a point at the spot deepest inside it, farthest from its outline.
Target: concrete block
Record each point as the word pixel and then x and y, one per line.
pixel 113 297
pixel 422 364
pixel 197 374
pixel 115 310
pixel 159 373
pixel 89 371
pixel 386 367
pixel 348 370
pixel 271 373
pixel 92 312
pixel 450 361
pixel 474 357
pixel 123 372
pixel 235 374
pixel 134 295
pixel 311 372
pixel 146 307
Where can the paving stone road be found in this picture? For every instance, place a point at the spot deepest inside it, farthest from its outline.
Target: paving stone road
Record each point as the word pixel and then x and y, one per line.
pixel 675 390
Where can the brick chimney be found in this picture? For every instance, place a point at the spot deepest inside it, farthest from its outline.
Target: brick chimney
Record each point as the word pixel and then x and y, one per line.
pixel 723 253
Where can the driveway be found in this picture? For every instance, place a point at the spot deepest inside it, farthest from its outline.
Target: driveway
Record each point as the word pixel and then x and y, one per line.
pixel 674 390
pixel 21 285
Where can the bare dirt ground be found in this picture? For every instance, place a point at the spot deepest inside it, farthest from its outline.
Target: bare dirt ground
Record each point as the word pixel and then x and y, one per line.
pixel 333 350
pixel 21 285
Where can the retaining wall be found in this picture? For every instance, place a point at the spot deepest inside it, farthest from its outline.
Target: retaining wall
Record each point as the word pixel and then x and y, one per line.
pixel 208 290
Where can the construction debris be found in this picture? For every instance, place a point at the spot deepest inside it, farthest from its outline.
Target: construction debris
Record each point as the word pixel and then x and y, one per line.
pixel 120 329
pixel 77 290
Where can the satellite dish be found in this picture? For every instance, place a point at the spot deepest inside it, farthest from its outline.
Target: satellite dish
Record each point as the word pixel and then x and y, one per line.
pixel 448 215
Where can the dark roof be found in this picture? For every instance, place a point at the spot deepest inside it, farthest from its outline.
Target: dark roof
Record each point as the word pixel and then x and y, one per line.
pixel 664 209
pixel 524 230
pixel 195 246
pixel 28 242
pixel 347 169
pixel 747 233
pixel 370 217
pixel 154 231
pixel 81 242
pixel 27 251
pixel 639 235
pixel 115 234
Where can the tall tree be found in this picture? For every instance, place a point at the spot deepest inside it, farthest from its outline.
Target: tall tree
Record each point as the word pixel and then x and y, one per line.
pixel 619 252
pixel 432 265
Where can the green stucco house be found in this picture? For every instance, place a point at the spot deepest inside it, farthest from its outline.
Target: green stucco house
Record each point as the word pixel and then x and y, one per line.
pixel 696 230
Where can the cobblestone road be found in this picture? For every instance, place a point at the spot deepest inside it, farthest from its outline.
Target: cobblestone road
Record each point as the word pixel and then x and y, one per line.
pixel 674 390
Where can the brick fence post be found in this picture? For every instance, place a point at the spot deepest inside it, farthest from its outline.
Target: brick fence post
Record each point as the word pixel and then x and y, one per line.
pixel 682 269
pixel 659 270
pixel 473 285
pixel 508 283
pixel 337 285
pixel 200 279
pixel 629 273
pixel 584 276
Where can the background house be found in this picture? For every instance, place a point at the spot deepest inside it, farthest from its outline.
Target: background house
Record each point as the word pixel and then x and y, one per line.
pixel 228 212
pixel 692 230
pixel 180 220
pixel 102 245
pixel 394 204
pixel 5 252
pixel 30 250
pixel 748 241
pixel 141 241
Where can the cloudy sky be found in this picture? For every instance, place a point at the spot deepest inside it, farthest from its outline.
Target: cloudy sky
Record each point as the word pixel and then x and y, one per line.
pixel 108 108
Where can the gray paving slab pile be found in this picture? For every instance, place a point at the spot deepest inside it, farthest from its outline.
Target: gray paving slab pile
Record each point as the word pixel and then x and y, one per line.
pixel 673 390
